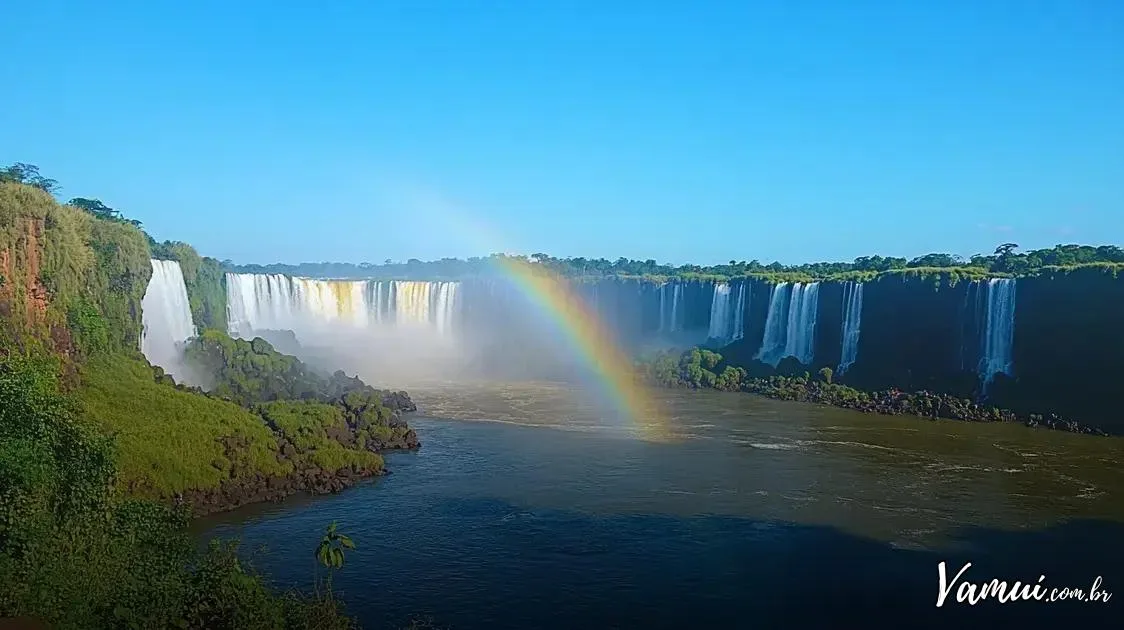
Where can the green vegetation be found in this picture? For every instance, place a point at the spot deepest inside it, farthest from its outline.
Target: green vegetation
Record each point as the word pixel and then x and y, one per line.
pixel 28 174
pixel 335 412
pixel 76 553
pixel 252 371
pixel 330 552
pixel 95 443
pixel 203 278
pixel 61 264
pixel 1005 261
pixel 171 440
pixel 316 430
pixel 699 368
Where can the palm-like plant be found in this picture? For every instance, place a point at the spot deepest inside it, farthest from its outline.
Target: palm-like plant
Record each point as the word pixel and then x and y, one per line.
pixel 330 551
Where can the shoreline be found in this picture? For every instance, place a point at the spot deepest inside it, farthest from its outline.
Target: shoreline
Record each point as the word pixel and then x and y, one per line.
pixel 258 489
pixel 921 404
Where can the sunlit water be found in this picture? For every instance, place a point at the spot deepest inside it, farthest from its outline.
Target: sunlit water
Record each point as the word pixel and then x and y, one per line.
pixel 524 509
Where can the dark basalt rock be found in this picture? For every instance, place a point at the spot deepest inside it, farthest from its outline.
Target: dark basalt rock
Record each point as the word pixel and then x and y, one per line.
pixel 258 489
pixel 925 404
pixel 399 401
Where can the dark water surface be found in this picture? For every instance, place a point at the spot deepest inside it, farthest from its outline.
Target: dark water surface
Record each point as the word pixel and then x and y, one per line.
pixel 524 509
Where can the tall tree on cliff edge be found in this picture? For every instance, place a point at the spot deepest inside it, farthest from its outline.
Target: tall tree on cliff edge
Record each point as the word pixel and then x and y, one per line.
pixel 29 174
pixel 101 211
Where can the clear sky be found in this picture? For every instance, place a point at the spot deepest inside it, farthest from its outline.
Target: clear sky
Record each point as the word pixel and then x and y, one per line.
pixel 682 131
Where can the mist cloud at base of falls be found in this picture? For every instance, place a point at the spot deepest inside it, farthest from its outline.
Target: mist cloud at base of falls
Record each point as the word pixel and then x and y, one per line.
pixel 398 333
pixel 393 333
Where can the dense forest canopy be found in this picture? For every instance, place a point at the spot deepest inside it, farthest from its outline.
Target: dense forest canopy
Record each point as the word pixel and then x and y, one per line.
pixel 1006 259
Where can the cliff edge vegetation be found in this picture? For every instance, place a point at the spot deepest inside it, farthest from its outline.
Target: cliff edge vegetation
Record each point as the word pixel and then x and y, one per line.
pixel 104 458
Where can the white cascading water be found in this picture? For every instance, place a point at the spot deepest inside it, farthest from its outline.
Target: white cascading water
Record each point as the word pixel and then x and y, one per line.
pixel 304 305
pixel 998 334
pixel 446 309
pixel 800 336
pixel 165 316
pixel 411 302
pixel 259 302
pixel 852 318
pixel 790 325
pixel 670 319
pixel 663 307
pixel 739 312
pixel 676 300
pixel 720 312
pixel 772 341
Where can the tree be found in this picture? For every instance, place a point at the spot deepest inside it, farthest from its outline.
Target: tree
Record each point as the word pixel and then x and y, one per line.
pixel 330 551
pixel 101 211
pixel 826 374
pixel 1006 249
pixel 94 207
pixel 936 260
pixel 29 174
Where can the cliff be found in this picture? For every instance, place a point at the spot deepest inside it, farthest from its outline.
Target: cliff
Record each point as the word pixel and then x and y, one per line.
pixel 71 288
pixel 923 331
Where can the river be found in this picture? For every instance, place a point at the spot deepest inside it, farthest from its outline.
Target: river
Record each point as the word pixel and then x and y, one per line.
pixel 525 509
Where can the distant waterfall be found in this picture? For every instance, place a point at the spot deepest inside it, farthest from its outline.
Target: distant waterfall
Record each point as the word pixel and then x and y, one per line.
pixel 445 306
pixel 739 312
pixel 727 317
pixel 411 302
pixel 270 302
pixel 663 309
pixel 801 334
pixel 998 332
pixel 790 324
pixel 165 315
pixel 720 312
pixel 852 318
pixel 671 306
pixel 772 343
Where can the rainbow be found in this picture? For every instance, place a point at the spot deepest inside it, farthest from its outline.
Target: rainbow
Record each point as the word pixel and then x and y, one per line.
pixel 589 339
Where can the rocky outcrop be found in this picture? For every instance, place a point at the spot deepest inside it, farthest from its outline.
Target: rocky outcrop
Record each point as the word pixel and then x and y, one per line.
pixel 398 401
pixel 893 402
pixel 384 429
pixel 260 489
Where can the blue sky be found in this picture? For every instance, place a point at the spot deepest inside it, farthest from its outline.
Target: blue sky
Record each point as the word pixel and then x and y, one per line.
pixel 684 132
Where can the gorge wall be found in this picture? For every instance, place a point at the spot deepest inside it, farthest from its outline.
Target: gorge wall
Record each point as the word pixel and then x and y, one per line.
pixel 1041 344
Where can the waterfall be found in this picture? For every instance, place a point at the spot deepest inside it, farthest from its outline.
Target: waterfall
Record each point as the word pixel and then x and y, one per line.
pixel 411 302
pixel 852 317
pixel 772 343
pixel 800 336
pixel 739 312
pixel 676 305
pixel 663 308
pixel 445 307
pixel 790 324
pixel 998 332
pixel 165 316
pixel 670 320
pixel 276 302
pixel 720 312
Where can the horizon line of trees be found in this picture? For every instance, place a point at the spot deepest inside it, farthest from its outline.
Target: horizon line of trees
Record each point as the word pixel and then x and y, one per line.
pixel 1005 259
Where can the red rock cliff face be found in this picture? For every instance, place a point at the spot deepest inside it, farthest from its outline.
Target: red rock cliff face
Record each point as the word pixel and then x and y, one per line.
pixel 20 267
